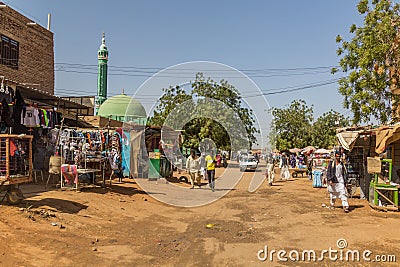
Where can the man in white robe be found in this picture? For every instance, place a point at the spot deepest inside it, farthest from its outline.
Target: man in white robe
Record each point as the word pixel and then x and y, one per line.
pixel 336 176
pixel 270 169
pixel 284 166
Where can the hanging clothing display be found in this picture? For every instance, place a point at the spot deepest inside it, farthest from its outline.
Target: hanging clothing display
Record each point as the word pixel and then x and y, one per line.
pixel 125 152
pixel 30 117
pixel 6 113
pixel 48 118
pixel 19 103
pixel 77 145
pixel 35 117
pixel 8 94
pixel 7 98
pixel 317 181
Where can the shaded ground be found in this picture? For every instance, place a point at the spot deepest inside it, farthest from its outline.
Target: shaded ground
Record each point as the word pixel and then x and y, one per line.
pixel 123 226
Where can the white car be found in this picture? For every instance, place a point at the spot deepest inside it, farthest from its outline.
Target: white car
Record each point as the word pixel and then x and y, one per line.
pixel 248 163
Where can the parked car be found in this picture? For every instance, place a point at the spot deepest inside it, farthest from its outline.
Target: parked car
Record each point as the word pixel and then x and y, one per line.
pixel 248 163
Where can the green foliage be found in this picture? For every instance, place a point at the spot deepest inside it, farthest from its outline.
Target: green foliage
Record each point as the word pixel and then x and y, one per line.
pixel 203 118
pixel 323 131
pixel 293 126
pixel 172 97
pixel 372 62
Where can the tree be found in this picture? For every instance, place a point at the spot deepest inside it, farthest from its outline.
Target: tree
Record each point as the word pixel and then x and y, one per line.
pixel 372 60
pixel 272 136
pixel 323 133
pixel 210 110
pixel 172 97
pixel 292 125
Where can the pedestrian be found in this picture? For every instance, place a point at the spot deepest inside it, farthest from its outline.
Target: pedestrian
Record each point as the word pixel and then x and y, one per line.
pixel 284 166
pixel 256 157
pixel 203 166
pixel 193 168
pixel 210 162
pixel 292 161
pixel 309 167
pixel 116 165
pixel 336 176
pixel 270 169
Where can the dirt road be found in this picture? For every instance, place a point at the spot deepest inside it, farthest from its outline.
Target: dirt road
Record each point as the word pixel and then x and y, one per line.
pixel 123 226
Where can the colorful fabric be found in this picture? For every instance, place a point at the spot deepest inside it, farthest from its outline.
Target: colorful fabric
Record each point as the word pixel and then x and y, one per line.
pixel 13 148
pixel 317 181
pixel 69 172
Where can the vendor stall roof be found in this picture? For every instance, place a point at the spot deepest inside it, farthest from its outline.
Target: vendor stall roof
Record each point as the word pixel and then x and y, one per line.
pixel 48 99
pixel 308 149
pixel 348 138
pixel 322 151
pixel 295 150
pixel 385 135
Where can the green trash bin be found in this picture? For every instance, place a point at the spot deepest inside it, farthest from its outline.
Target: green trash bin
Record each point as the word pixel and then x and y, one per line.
pixel 154 170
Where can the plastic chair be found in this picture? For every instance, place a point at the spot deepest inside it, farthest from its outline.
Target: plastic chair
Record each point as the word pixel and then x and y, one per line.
pixel 54 167
pixel 35 175
pixel 51 173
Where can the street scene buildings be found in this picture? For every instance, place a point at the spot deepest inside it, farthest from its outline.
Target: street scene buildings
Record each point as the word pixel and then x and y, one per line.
pixel 98 180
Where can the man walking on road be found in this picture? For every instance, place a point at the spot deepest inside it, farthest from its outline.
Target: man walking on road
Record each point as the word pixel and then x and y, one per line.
pixel 336 176
pixel 193 167
pixel 210 162
pixel 284 166
pixel 270 168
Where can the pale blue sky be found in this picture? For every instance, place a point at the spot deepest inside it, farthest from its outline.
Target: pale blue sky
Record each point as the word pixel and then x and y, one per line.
pixel 253 36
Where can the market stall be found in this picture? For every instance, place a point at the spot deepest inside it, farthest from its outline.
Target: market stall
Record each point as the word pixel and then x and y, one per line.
pixel 15 165
pixel 87 154
pixel 358 143
pixel 153 152
pixel 384 194
pixel 321 158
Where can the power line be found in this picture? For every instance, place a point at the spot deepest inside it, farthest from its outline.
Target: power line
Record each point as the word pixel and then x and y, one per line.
pixel 258 93
pixel 182 72
pixel 192 69
pixel 282 90
pixel 191 76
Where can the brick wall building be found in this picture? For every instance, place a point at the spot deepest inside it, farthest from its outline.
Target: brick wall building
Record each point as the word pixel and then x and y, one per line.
pixel 26 51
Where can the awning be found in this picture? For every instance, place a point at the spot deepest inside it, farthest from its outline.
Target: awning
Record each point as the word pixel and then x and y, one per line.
pixel 322 151
pixel 348 139
pixel 386 136
pixel 308 149
pixel 294 150
pixel 46 98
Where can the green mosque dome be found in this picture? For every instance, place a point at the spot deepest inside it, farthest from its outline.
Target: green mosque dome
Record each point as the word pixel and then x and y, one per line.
pixel 123 108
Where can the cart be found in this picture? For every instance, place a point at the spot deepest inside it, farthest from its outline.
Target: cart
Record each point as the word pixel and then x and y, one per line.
pixel 297 171
pixel 15 165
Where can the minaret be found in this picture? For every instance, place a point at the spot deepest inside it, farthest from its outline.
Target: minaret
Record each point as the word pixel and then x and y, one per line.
pixel 102 57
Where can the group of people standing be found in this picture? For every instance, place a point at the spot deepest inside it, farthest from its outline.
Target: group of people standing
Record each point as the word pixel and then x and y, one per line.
pixel 201 167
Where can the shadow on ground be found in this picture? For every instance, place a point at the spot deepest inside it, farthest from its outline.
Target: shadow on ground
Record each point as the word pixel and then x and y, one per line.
pixel 61 205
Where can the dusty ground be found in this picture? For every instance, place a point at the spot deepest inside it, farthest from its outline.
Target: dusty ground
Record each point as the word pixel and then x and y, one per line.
pixel 123 226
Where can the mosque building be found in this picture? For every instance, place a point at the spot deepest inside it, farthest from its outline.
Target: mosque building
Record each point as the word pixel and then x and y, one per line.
pixel 119 107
